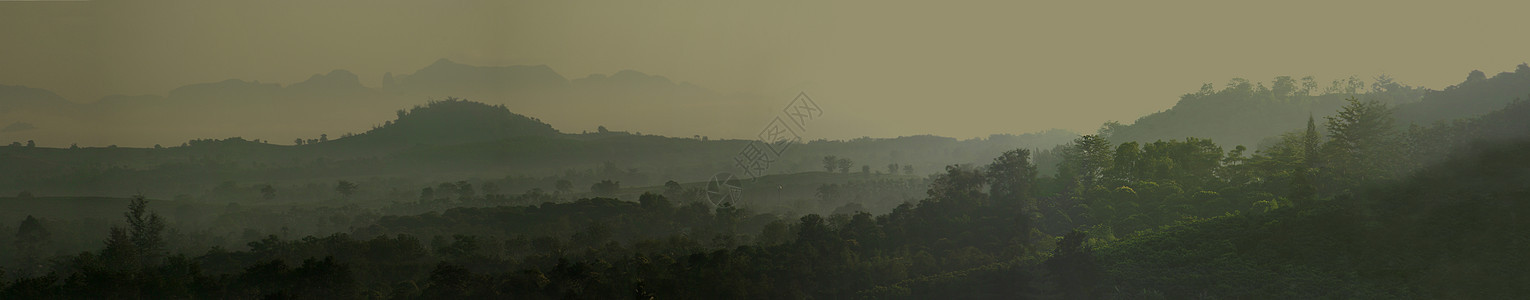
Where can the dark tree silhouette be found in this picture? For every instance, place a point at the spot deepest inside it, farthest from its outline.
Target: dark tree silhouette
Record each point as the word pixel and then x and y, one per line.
pixel 605 187
pixel 31 236
pixel 267 192
pixel 345 188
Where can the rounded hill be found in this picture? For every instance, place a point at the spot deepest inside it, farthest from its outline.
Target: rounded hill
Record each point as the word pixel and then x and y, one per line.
pixel 454 121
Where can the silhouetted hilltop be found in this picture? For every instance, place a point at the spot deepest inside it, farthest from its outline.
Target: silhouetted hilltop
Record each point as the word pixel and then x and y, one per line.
pixel 1475 96
pixel 454 121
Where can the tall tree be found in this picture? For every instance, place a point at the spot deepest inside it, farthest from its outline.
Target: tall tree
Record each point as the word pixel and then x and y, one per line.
pixel 1012 177
pixel 120 253
pixel 30 237
pixel 145 228
pixel 1303 186
pixel 267 192
pixel 959 183
pixel 1123 168
pixel 1361 142
pixel 1085 161
pixel 345 188
pixel 606 187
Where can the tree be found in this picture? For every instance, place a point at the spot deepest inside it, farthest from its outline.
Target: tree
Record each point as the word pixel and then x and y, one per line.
pixel 865 169
pixel 1311 143
pixel 323 137
pixel 606 187
pixel 1085 161
pixel 31 144
pixel 830 163
pixel 1476 76
pixel 1302 183
pixel 1012 177
pixel 654 202
pixel 844 165
pixel 345 188
pixel 267 192
pixel 30 237
pixel 1123 168
pixel 145 228
pixel 892 168
pixel 1309 85
pixel 119 254
pixel 1361 143
pixel 298 141
pixel 1283 86
pixel 959 183
pixel 673 189
pixel 908 169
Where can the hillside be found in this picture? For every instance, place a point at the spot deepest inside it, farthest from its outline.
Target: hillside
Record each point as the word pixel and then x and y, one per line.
pixel 1475 96
pixel 453 140
pixel 448 122
pixel 1445 232
pixel 1245 113
pixel 1404 240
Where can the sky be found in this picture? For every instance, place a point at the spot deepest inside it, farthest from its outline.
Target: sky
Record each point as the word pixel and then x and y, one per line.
pixel 878 68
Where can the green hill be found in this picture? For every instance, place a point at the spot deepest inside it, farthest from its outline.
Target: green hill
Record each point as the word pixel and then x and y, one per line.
pixel 447 122
pixel 1243 113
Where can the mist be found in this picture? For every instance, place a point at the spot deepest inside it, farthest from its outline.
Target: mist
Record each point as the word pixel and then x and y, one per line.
pixel 782 150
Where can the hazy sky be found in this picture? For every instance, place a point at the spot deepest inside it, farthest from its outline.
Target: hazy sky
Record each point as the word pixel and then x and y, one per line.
pixel 878 68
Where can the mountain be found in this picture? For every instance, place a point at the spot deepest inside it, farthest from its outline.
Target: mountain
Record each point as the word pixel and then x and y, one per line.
pixel 16 99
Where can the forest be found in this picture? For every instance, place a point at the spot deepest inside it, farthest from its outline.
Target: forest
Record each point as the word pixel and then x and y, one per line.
pixel 1289 191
